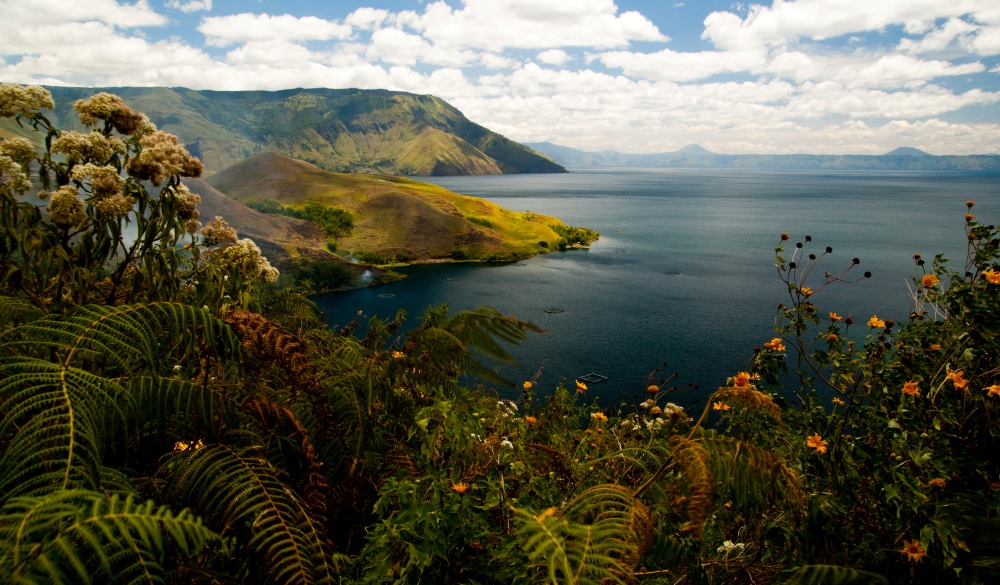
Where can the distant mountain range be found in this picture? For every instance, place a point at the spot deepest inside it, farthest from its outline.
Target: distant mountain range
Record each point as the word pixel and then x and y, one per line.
pixel 694 156
pixel 343 130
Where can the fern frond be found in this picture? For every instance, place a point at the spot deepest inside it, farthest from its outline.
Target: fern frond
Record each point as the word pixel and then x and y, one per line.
pixel 122 337
pixel 832 575
pixel 750 476
pixel 598 537
pixel 695 466
pixel 242 495
pixel 80 536
pixel 15 311
pixel 169 407
pixel 53 424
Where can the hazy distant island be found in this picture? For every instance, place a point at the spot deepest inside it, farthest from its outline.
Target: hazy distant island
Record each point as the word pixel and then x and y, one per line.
pixel 695 156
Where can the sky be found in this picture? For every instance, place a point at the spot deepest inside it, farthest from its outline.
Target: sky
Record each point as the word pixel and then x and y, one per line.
pixel 641 76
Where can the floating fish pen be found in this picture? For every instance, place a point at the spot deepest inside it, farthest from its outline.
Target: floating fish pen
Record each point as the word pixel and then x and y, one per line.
pixel 593 378
pixel 554 311
pixel 386 296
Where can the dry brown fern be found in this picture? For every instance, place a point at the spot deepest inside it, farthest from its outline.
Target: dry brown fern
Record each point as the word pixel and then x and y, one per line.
pixel 749 398
pixel 693 458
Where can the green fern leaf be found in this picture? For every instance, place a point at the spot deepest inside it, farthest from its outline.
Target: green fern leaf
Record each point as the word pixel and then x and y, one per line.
pixel 53 424
pixel 593 539
pixel 832 575
pixel 242 495
pixel 80 536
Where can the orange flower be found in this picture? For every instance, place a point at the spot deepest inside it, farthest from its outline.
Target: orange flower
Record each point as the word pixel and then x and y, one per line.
pixel 913 550
pixel 835 317
pixel 993 390
pixel 957 379
pixel 528 384
pixel 720 406
pixel 935 346
pixel 832 338
pixel 816 442
pixel 992 276
pixel 742 380
pixel 655 410
pixel 911 388
pixel 875 322
pixel 806 291
pixel 969 217
pixel 937 482
pixel 530 419
pixel 599 416
pixel 580 387
pixel 930 280
pixel 775 344
pixel 652 388
pixel 838 401
pixel 396 354
pixel 460 487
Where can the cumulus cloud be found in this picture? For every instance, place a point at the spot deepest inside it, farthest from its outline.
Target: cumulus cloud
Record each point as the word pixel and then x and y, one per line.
pixel 527 24
pixel 190 5
pixel 222 31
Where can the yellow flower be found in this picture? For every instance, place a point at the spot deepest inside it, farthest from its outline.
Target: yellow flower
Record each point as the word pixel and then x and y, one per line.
pixel 937 482
pixel 957 379
pixel 930 280
pixel 806 291
pixel 720 406
pixel 530 419
pixel 992 276
pixel 397 354
pixel 911 388
pixel 652 388
pixel 816 442
pixel 775 344
pixel 838 401
pixel 528 384
pixel 460 487
pixel 913 550
pixel 599 416
pixel 875 322
pixel 742 380
pixel 580 387
pixel 993 390
pixel 835 317
pixel 183 446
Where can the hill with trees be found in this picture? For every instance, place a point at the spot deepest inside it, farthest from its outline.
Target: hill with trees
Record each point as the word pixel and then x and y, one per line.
pixel 343 130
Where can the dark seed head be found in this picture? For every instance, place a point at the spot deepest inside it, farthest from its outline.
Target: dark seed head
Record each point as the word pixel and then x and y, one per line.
pixel 829 250
pixel 855 260
pixel 868 274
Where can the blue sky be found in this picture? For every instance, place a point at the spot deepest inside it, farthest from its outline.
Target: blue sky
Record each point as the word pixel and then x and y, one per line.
pixel 818 76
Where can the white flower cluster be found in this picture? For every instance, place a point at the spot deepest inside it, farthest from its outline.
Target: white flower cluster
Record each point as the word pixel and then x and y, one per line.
pixel 507 408
pixel 729 546
pixel 244 256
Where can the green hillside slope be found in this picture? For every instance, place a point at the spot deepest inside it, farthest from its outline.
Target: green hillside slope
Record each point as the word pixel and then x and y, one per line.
pixel 343 130
pixel 394 218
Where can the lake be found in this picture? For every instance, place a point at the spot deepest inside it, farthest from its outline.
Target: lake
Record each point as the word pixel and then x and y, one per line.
pixel 683 276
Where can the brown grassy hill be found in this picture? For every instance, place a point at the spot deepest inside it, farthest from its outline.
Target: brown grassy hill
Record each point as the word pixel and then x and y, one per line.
pixel 394 217
pixel 285 241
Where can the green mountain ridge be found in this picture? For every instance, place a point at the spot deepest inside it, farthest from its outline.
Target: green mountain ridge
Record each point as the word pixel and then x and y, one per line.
pixel 342 130
pixel 394 218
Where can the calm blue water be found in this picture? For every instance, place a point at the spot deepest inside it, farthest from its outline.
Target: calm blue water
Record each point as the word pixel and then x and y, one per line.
pixel 683 276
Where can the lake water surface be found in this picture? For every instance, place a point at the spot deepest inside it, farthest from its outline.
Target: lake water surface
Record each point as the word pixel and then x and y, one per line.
pixel 683 276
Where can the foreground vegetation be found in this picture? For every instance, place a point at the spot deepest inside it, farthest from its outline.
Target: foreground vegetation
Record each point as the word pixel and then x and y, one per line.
pixel 165 416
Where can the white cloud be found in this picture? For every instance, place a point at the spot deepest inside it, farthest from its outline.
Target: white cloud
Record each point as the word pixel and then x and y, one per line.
pixel 667 65
pixel 553 57
pixel 190 5
pixel 42 12
pixel 367 18
pixel 222 31
pixel 527 24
